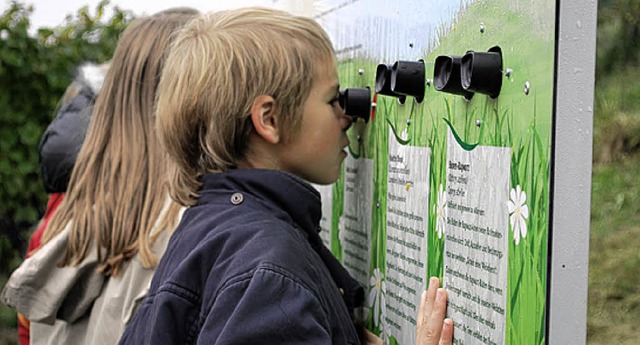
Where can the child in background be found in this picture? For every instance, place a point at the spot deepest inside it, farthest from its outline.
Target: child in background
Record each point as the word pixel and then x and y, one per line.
pixel 64 136
pixel 248 111
pixel 86 280
pixel 59 149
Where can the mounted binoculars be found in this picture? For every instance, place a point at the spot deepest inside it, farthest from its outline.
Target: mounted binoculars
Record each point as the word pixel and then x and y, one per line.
pixel 356 102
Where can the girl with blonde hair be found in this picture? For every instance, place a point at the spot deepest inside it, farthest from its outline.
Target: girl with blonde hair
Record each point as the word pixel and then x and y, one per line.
pixel 101 246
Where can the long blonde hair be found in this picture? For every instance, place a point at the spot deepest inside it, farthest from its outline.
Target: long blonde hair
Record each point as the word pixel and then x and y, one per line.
pixel 217 66
pixel 117 189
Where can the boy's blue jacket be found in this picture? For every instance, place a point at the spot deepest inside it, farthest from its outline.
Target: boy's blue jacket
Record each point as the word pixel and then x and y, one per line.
pixel 246 266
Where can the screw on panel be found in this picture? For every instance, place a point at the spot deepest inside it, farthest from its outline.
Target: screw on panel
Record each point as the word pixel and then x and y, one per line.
pixel 428 82
pixel 408 122
pixel 378 204
pixel 410 44
pixel 361 71
pixel 478 123
pixel 508 72
pixel 527 88
pixel 481 28
pixel 359 138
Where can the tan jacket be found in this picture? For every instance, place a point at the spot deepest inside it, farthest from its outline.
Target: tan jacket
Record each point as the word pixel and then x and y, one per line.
pixel 77 305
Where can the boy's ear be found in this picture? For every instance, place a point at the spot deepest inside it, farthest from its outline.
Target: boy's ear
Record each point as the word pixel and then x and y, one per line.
pixel 264 119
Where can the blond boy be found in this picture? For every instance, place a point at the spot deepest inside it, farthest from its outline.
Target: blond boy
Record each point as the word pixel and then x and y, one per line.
pixel 248 112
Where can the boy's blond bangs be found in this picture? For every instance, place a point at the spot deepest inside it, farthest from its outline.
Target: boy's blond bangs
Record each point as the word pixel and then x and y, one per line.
pixel 219 63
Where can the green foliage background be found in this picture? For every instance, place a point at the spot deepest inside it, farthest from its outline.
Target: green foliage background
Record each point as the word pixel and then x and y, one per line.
pixel 36 66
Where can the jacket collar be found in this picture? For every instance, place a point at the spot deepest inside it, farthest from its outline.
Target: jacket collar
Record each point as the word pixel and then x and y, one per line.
pixel 281 191
pixel 276 189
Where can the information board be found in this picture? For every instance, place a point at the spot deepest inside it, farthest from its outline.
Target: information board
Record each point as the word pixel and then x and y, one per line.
pixel 451 176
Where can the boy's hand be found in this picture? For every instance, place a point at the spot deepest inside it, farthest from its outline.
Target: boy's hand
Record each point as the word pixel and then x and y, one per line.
pixel 432 327
pixel 371 339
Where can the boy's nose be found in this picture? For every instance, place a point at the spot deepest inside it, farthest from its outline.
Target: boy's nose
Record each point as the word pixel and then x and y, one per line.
pixel 347 121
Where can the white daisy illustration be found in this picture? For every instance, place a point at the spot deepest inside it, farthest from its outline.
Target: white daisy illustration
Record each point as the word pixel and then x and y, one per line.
pixel 441 212
pixel 385 330
pixel 377 300
pixel 519 213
